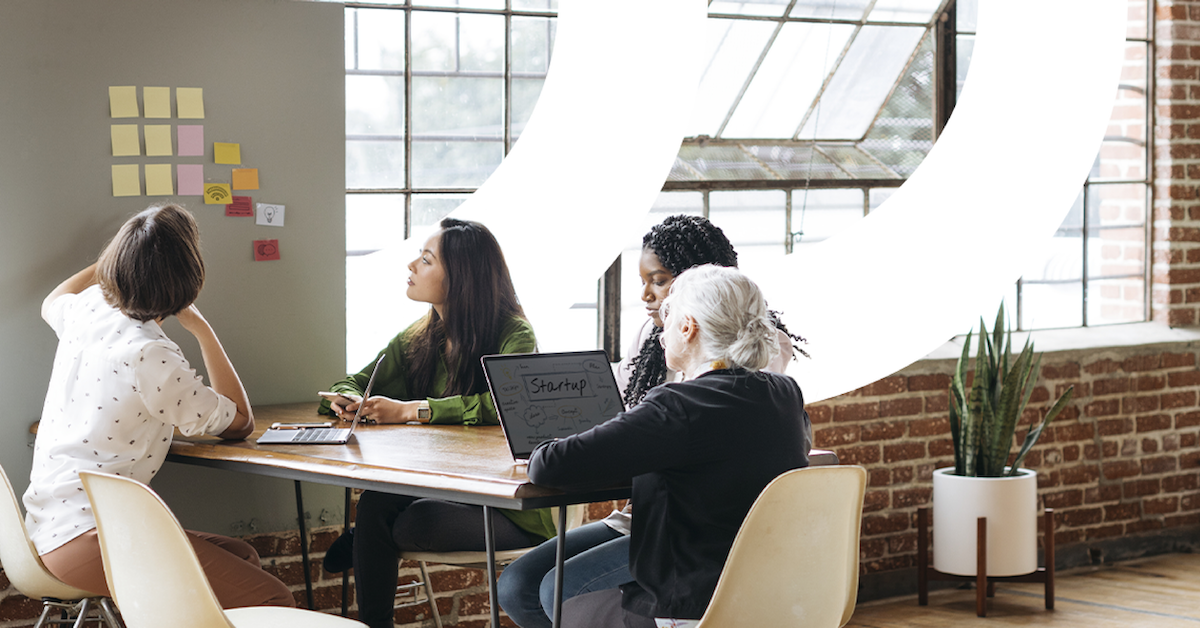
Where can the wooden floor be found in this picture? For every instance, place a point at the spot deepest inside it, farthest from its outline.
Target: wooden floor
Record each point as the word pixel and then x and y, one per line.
pixel 1163 592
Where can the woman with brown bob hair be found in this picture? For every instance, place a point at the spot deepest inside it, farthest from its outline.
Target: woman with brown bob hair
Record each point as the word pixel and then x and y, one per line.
pixel 119 389
pixel 431 373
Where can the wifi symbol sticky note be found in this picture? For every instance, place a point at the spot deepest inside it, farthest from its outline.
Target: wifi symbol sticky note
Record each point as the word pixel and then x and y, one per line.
pixel 217 193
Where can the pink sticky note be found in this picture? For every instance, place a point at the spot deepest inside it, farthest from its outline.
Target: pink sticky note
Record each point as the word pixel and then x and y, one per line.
pixel 266 250
pixel 241 206
pixel 190 140
pixel 191 179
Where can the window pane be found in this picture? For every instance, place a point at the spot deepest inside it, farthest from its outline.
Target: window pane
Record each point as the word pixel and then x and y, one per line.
pixel 863 80
pixel 788 80
pixel 1123 153
pixel 429 209
pixel 751 7
pixel 821 214
pixel 532 41
pixel 1047 306
pixel 964 46
pixel 967 14
pixel 374 39
pixel 732 49
pixel 1116 253
pixel 879 196
pixel 919 11
pixel 1114 301
pixel 373 221
pixel 450 42
pixel 536 5
pixel 374 164
pixel 754 221
pixel 374 105
pixel 1052 281
pixel 525 94
pixel 903 133
pixel 1137 19
pixel 454 164
pixel 457 107
pixel 472 4
pixel 837 9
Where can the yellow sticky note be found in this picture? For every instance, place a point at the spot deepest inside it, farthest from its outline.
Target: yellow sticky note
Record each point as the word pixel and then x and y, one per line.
pixel 158 140
pixel 157 101
pixel 190 102
pixel 227 153
pixel 217 194
pixel 245 178
pixel 158 180
pixel 122 101
pixel 125 140
pixel 125 180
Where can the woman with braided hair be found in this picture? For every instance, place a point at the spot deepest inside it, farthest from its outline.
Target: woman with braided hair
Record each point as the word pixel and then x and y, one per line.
pixel 598 553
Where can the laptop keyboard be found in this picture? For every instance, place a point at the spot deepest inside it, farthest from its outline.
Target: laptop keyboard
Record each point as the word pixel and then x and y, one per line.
pixel 319 433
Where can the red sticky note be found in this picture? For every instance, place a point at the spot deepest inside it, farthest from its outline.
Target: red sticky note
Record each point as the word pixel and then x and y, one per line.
pixel 266 250
pixel 241 206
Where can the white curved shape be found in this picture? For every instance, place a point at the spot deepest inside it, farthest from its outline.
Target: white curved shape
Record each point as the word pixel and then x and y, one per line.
pixel 949 242
pixel 593 156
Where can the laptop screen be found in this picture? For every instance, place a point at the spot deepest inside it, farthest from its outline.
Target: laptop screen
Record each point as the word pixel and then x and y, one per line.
pixel 542 396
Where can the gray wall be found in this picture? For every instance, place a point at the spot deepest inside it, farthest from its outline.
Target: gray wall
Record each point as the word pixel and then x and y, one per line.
pixel 273 79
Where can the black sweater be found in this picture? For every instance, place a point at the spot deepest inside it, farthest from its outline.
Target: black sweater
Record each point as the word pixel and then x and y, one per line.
pixel 699 453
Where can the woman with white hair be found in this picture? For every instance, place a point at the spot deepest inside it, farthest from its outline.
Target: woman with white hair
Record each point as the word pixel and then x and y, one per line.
pixel 699 451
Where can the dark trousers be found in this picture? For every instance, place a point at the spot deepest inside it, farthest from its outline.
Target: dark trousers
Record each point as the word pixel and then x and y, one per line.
pixel 601 609
pixel 387 524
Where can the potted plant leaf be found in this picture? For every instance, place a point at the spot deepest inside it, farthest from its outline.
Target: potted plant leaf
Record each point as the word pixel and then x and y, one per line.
pixel 984 481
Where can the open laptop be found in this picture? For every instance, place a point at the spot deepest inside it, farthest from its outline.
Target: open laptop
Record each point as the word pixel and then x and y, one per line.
pixel 320 435
pixel 542 396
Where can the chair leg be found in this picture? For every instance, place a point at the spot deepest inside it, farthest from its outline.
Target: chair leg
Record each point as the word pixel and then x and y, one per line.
pixel 437 618
pixel 46 608
pixel 85 609
pixel 109 614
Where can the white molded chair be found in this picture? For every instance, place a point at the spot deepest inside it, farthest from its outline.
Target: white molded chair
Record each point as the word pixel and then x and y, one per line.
pixel 795 559
pixel 474 560
pixel 25 570
pixel 153 572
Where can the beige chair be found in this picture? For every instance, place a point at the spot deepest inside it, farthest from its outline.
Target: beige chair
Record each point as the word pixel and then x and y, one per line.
pixel 795 559
pixel 471 560
pixel 153 571
pixel 27 573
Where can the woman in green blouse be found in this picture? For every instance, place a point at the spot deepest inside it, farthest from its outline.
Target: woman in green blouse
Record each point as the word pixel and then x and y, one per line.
pixel 432 374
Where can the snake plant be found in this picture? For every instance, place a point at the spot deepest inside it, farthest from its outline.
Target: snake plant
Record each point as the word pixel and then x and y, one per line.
pixel 983 419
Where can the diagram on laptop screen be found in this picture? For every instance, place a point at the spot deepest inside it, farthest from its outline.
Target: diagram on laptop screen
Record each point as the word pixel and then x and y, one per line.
pixel 544 397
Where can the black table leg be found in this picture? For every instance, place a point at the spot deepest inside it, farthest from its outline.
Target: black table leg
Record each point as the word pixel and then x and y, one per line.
pixel 308 585
pixel 559 558
pixel 489 540
pixel 346 574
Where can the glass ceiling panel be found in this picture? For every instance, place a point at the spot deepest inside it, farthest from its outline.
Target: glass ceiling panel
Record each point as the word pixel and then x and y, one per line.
pixel 856 163
pixel 788 80
pixel 916 11
pixel 724 163
pixel 862 82
pixel 773 8
pixel 837 9
pixel 733 47
pixel 797 162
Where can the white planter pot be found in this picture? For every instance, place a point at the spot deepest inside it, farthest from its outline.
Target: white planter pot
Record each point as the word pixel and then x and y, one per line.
pixel 1010 505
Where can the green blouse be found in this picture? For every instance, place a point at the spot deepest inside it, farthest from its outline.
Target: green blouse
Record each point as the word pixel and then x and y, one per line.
pixel 393 381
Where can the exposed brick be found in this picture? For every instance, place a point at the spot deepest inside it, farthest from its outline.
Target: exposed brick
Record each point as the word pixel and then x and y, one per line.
pixel 903 474
pixel 1175 360
pixel 1187 419
pixel 1100 367
pixel 907 406
pixel 1064 370
pixel 1084 474
pixel 1114 427
pixel 874 501
pixel 835 436
pixel 941 447
pixel 865 454
pixel 1063 499
pixel 872 548
pixel 937 381
pixel 1121 469
pixel 1179 399
pixel 873 525
pixel 937 403
pixel 1102 407
pixel 1160 505
pixel 1139 405
pixel 1111 386
pixel 912 497
pixel 1160 464
pixel 1073 432
pixel 902 544
pixel 893 385
pixel 1143 525
pixel 904 451
pixel 1104 532
pixel 1153 423
pixel 1148 383
pixel 1121 512
pixel 889 430
pixel 1183 378
pixel 878 477
pixel 1143 362
pixel 1140 488
pixel 1179 483
pixel 929 427
pixel 1080 517
pixel 856 412
pixel 818 413
pixel 1101 494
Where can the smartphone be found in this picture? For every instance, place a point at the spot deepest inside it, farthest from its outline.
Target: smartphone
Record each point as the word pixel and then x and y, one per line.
pixel 340 397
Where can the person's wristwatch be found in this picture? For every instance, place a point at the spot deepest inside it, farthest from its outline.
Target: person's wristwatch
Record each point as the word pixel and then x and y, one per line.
pixel 423 411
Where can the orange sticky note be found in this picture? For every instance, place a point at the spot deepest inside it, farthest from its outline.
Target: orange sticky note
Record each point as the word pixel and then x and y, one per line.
pixel 217 193
pixel 245 178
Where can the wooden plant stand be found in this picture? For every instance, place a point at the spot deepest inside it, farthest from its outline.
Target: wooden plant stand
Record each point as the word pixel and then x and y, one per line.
pixel 984 584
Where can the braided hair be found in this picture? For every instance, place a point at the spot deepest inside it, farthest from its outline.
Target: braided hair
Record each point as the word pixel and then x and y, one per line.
pixel 682 242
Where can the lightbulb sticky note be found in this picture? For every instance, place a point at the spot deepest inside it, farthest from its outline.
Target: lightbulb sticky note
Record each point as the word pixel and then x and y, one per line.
pixel 245 178
pixel 158 140
pixel 191 140
pixel 125 180
pixel 224 153
pixel 266 250
pixel 240 206
pixel 269 215
pixel 190 102
pixel 158 180
pixel 216 193
pixel 125 140
pixel 157 101
pixel 191 179
pixel 122 101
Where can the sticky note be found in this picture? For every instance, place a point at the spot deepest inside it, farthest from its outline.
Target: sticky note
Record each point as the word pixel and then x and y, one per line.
pixel 126 181
pixel 245 178
pixel 122 102
pixel 216 193
pixel 158 140
pixel 158 180
pixel 157 101
pixel 227 153
pixel 125 140
pixel 241 206
pixel 190 102
pixel 269 215
pixel 266 250
pixel 190 138
pixel 191 179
